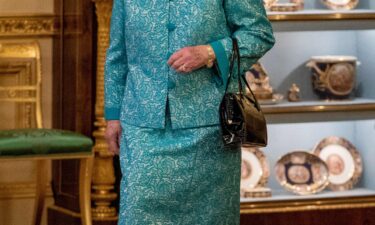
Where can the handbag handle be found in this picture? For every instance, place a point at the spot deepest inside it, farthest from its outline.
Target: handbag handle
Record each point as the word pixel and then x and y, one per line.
pixel 236 56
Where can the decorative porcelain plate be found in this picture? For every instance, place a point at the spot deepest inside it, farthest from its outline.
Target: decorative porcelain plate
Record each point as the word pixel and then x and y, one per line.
pixel 254 169
pixel 269 3
pixel 285 7
pixel 302 173
pixel 340 4
pixel 343 161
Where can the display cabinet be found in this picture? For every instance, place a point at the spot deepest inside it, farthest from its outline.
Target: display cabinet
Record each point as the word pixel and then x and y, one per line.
pixel 300 125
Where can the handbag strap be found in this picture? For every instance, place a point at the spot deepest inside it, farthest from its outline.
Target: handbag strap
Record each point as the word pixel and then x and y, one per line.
pixel 236 56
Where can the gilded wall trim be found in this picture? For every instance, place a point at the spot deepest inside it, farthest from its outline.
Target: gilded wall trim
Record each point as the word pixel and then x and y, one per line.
pixel 20 190
pixel 307 205
pixel 29 25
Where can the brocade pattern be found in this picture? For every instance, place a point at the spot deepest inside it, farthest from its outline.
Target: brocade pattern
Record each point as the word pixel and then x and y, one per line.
pixel 144 33
pixel 178 177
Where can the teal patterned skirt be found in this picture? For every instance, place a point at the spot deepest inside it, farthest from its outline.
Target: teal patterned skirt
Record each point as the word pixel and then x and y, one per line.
pixel 181 176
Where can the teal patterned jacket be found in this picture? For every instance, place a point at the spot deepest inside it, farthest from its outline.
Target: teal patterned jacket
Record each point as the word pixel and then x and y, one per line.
pixel 145 33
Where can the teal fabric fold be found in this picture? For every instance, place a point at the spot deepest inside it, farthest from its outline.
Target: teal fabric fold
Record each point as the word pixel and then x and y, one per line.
pixel 221 61
pixel 112 113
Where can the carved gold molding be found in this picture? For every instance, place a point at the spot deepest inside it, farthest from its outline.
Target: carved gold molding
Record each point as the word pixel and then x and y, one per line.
pixel 307 205
pixel 29 25
pixel 103 179
pixel 20 190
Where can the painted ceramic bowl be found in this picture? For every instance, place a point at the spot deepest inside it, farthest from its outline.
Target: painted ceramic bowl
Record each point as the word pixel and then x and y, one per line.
pixel 333 77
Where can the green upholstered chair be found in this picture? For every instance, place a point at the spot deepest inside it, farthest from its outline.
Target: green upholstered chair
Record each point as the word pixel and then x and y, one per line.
pixel 41 144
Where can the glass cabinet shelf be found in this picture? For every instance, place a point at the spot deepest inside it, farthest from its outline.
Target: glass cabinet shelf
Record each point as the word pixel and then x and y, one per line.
pixel 316 14
pixel 300 126
pixel 358 104
pixel 285 202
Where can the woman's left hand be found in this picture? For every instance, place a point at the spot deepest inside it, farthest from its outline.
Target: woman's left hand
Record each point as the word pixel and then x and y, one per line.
pixel 189 58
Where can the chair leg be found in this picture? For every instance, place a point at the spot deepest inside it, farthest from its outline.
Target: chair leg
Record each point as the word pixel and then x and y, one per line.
pixel 41 185
pixel 85 172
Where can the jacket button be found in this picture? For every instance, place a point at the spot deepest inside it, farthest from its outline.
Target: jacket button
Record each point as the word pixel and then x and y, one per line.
pixel 171 84
pixel 171 26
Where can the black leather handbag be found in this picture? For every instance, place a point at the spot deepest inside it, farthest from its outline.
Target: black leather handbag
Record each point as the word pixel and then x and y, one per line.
pixel 241 118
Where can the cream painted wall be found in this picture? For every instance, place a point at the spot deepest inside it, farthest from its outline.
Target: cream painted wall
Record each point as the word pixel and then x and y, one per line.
pixel 18 210
pixel 47 76
pixel 26 6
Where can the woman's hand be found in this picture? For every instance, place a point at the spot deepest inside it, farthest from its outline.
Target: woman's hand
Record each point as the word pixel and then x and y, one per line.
pixel 112 136
pixel 189 58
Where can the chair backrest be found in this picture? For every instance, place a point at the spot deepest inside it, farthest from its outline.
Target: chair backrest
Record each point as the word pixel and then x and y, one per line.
pixel 22 61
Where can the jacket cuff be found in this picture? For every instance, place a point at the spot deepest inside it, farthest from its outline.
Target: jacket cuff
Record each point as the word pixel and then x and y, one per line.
pixel 222 62
pixel 112 113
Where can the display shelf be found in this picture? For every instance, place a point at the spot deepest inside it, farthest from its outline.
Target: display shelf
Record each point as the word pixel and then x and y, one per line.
pixel 293 126
pixel 316 14
pixel 282 195
pixel 286 202
pixel 358 104
pixel 288 137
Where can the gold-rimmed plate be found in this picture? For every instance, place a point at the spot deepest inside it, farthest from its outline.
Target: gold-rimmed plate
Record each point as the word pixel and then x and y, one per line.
pixel 340 4
pixel 254 169
pixel 302 173
pixel 343 160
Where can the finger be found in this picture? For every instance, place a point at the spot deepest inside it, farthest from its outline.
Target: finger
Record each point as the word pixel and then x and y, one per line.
pixel 184 69
pixel 178 63
pixel 116 148
pixel 113 147
pixel 119 133
pixel 175 56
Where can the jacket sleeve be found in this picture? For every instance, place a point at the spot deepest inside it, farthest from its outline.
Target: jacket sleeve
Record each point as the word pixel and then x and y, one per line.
pixel 248 23
pixel 116 65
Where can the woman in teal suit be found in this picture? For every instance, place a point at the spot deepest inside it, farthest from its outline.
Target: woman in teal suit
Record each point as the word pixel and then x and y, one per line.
pixel 165 74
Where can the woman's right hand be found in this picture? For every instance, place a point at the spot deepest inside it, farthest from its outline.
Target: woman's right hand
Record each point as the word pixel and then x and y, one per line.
pixel 113 135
